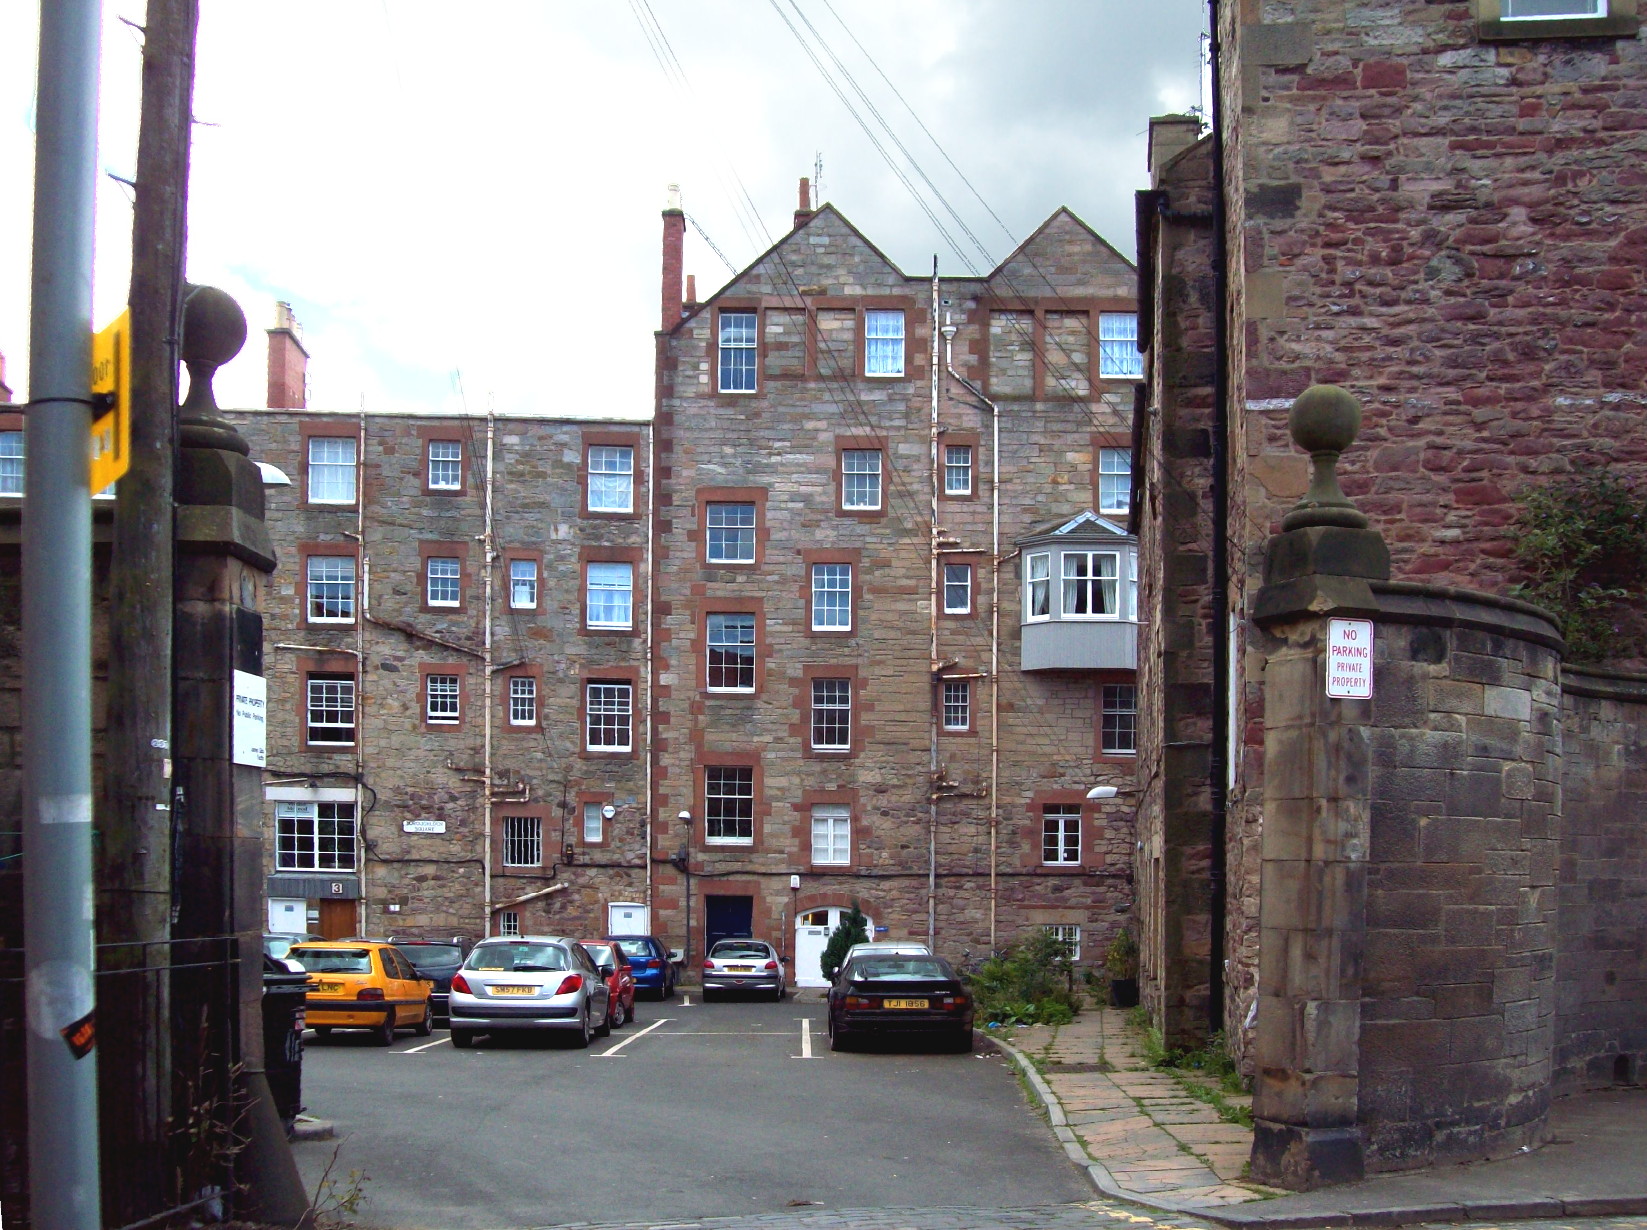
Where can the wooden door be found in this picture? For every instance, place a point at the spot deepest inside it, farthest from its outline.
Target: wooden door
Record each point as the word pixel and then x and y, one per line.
pixel 337 919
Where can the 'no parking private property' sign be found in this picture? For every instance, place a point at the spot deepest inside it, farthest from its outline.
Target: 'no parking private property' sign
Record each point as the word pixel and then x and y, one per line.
pixel 1350 659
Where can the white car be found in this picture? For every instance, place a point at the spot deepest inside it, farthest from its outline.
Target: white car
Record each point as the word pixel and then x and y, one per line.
pixel 743 965
pixel 528 982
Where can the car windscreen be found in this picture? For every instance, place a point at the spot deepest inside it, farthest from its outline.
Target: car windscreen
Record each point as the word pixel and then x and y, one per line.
pixel 522 957
pixel 600 954
pixel 432 954
pixel 333 960
pixel 636 948
pixel 731 949
pixel 898 969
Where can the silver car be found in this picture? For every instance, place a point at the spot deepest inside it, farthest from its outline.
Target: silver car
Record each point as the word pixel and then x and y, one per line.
pixel 528 982
pixel 743 965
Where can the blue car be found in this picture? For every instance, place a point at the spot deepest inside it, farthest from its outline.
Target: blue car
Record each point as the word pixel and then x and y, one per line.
pixel 649 959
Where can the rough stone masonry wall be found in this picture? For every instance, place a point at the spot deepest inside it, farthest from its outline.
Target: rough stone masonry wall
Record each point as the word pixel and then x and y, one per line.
pixel 1601 970
pixel 1458 1014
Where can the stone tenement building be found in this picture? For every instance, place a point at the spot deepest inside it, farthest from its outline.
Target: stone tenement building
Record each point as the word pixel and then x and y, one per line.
pixel 1421 915
pixel 856 624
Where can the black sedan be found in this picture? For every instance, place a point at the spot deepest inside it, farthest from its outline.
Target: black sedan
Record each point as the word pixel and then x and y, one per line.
pixel 881 994
pixel 436 960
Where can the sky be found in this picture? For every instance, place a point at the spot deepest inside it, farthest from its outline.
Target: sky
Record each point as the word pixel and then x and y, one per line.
pixel 461 202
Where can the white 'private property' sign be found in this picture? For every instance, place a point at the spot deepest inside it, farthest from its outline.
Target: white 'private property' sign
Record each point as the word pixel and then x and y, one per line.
pixel 1350 659
pixel 251 719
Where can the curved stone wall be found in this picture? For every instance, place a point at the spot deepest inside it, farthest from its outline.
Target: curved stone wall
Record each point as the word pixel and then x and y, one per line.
pixel 1458 1004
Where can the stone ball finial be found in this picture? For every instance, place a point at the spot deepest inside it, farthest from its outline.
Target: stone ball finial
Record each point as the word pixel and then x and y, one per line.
pixel 1324 422
pixel 214 330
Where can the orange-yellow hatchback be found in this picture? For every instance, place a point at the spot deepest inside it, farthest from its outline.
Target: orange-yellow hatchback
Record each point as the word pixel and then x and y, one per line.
pixel 363 984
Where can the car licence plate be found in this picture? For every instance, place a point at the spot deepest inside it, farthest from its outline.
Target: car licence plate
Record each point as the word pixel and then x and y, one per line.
pixel 329 988
pixel 904 1003
pixel 740 969
pixel 514 990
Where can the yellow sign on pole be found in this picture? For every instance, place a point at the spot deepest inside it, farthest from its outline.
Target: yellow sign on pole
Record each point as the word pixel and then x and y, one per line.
pixel 111 376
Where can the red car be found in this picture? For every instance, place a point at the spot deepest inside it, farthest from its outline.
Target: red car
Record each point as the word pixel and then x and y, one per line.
pixel 613 964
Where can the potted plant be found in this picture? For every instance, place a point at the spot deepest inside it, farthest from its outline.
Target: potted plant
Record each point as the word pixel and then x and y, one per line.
pixel 1122 962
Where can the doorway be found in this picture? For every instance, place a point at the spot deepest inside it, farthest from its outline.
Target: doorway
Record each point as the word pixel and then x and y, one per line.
pixel 727 918
pixel 337 919
pixel 812 931
pixel 628 918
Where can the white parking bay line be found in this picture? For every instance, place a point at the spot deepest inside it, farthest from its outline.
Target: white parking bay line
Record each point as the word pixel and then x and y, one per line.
pixel 806 1039
pixel 631 1038
pixel 413 1050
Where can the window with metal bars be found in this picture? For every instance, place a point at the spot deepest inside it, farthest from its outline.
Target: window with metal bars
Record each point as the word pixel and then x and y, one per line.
pixel 522 841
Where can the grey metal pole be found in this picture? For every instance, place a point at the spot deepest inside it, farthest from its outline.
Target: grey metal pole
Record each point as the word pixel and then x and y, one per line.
pixel 60 959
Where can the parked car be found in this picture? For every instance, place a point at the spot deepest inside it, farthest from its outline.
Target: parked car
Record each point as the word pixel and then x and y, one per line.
pixel 278 945
pixel 363 984
pixel 743 965
pixel 436 960
pixel 517 983
pixel 883 993
pixel 613 964
pixel 652 964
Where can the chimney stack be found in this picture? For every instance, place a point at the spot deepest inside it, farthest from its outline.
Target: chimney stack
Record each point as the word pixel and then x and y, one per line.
pixel 691 292
pixel 803 209
pixel 1169 136
pixel 288 362
pixel 674 258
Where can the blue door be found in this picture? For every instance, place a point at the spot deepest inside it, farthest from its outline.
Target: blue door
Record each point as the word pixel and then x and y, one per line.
pixel 728 918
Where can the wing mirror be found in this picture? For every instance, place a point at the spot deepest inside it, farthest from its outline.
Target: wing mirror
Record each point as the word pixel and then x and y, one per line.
pixel 676 956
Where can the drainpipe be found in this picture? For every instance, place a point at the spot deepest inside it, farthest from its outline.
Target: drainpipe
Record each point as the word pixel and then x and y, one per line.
pixel 362 926
pixel 651 579
pixel 489 550
pixel 1218 761
pixel 994 623
pixel 932 663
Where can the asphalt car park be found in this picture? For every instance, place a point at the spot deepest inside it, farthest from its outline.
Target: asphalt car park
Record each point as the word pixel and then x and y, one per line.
pixel 734 1107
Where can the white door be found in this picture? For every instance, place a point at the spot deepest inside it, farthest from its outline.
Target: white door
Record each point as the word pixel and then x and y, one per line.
pixel 812 930
pixel 288 916
pixel 627 918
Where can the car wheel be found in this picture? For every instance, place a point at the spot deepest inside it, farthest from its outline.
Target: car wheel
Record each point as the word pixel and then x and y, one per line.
pixel 384 1034
pixel 667 990
pixel 961 1043
pixel 323 1031
pixel 778 996
pixel 584 1033
pixel 463 1039
pixel 604 1029
pixel 426 1026
pixel 838 1039
pixel 625 1013
pixel 631 1019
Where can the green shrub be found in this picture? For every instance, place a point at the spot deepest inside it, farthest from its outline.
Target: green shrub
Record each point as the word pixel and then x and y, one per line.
pixel 1031 983
pixel 853 929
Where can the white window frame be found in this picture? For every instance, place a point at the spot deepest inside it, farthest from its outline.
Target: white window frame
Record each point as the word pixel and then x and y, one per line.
pixel 445 465
pixel 958 459
pixel 442 699
pixel 292 817
pixel 1598 8
pixel 1069 934
pixel 883 342
pixel 738 351
pixel 1120 699
pixel 861 479
pixel 616 609
pixel 1060 835
pixel 725 805
pixel 836 598
pixel 716 626
pixel 523 700
pixel 957 581
pixel 522 841
pixel 594 824
pixel 346 691
pixel 327 472
pixel 1118 356
pixel 1114 480
pixel 831 835
pixel 315 591
pixel 611 479
pixel 11 463
pixel 729 534
pixel 956 702
pixel 523 584
pixel 605 702
pixel 1093 582
pixel 1038 587
pixel 831 714
pixel 430 564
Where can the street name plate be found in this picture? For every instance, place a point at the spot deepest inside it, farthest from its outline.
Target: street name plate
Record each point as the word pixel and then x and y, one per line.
pixel 1350 659
pixel 423 826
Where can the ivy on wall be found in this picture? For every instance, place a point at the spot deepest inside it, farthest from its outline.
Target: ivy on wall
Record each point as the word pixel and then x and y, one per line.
pixel 1582 541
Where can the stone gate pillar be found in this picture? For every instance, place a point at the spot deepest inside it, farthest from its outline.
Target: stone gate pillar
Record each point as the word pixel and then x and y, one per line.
pixel 1316 835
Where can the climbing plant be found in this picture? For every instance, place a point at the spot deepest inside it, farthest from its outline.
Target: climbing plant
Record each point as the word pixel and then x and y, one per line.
pixel 1582 542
